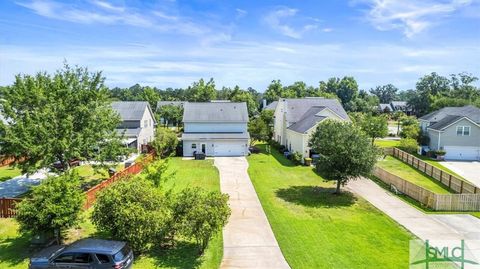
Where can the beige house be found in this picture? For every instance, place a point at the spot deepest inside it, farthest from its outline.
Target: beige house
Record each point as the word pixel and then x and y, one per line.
pixel 296 120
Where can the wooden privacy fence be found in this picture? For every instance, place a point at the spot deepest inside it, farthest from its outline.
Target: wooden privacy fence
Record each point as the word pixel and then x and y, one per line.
pixel 439 202
pixel 7 205
pixel 134 169
pixel 424 196
pixel 4 160
pixel 452 182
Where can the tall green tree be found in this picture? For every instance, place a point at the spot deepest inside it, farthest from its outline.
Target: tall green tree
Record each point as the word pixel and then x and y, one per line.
pixel 374 126
pixel 239 95
pixel 349 157
pixel 201 91
pixel 58 117
pixel 385 93
pixel 171 114
pixel 165 142
pixel 274 91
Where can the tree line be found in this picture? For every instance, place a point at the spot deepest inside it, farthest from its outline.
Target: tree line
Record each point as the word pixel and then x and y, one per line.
pixel 431 92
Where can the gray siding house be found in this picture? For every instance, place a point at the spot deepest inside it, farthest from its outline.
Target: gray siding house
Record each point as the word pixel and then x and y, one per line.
pixel 138 123
pixel 455 130
pixel 296 119
pixel 215 128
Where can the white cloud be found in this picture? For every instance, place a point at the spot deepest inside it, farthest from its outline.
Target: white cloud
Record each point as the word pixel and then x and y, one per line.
pixel 102 12
pixel 240 13
pixel 246 63
pixel 277 20
pixel 410 16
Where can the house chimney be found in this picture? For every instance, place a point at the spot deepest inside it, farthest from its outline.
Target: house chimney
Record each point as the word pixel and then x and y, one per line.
pixel 264 102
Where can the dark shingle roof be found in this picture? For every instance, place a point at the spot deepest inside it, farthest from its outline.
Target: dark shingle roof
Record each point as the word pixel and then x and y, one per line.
pixel 382 107
pixel 309 119
pixel 131 110
pixel 271 106
pixel 471 112
pixel 296 108
pixel 449 119
pixel 169 103
pixel 215 112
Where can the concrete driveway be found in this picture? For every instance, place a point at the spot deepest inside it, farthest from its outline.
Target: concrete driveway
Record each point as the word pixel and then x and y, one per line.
pixel 469 170
pixel 248 240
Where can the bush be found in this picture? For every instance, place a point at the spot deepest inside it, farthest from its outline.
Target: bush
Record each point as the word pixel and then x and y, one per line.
pixel 296 158
pixel 274 144
pixel 440 152
pixel 134 211
pixel 54 205
pixel 165 142
pixel 282 148
pixel 199 215
pixel 409 145
pixel 156 172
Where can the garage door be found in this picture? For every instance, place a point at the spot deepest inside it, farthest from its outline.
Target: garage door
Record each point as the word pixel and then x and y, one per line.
pixel 229 149
pixel 462 153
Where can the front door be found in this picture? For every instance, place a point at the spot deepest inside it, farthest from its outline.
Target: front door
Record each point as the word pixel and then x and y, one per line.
pixel 204 148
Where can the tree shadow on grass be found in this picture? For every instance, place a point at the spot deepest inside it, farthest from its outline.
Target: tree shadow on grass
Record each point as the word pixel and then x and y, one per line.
pixel 16 250
pixel 183 255
pixel 314 196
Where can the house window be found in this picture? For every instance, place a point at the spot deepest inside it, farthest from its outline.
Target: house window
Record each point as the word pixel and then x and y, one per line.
pixel 463 130
pixel 194 146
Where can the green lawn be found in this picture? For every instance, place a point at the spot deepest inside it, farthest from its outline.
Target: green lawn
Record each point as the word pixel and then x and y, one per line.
pixel 8 172
pixel 14 249
pixel 92 176
pixel 382 143
pixel 409 173
pixel 316 229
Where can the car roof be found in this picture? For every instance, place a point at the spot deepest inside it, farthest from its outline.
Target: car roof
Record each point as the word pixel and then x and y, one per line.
pixel 92 245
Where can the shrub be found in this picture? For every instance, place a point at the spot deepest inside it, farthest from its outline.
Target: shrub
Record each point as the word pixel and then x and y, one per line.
pixel 440 152
pixel 156 172
pixel 134 211
pixel 296 158
pixel 165 142
pixel 282 148
pixel 54 205
pixel 274 144
pixel 409 145
pixel 199 215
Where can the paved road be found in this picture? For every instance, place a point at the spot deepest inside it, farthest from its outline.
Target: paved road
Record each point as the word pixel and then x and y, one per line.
pixel 468 170
pixel 440 228
pixel 248 240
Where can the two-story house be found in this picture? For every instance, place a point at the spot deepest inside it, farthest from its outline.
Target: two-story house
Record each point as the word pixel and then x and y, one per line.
pixel 296 120
pixel 215 128
pixel 455 130
pixel 137 122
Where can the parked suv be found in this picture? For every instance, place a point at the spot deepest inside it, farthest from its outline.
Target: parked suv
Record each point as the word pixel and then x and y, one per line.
pixel 85 254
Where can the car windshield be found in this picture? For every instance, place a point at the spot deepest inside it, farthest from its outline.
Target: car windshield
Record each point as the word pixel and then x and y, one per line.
pixel 122 253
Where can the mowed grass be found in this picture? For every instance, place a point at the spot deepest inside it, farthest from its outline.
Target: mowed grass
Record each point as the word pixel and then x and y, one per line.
pixel 91 176
pixel 8 172
pixel 383 143
pixel 409 173
pixel 15 250
pixel 317 229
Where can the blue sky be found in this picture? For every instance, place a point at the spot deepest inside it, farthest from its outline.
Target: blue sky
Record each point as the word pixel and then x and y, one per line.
pixel 172 43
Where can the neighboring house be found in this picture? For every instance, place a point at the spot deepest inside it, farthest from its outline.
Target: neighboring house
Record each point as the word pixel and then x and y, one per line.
pixel 395 106
pixel 138 122
pixel 161 104
pixel 270 106
pixel 296 119
pixel 455 130
pixel 385 108
pixel 215 128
